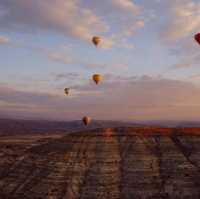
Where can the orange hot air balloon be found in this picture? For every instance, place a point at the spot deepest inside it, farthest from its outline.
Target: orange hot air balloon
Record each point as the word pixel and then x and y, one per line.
pixel 97 78
pixel 197 38
pixel 96 40
pixel 66 90
pixel 86 120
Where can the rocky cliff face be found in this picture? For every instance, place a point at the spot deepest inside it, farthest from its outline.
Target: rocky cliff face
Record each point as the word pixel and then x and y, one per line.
pixel 119 163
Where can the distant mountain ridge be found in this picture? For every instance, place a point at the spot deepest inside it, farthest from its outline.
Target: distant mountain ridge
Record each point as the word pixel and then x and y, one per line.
pixel 14 126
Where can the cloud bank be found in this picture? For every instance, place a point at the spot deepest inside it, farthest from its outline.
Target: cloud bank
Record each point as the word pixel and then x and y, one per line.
pixel 183 19
pixel 72 18
pixel 132 98
pixel 61 16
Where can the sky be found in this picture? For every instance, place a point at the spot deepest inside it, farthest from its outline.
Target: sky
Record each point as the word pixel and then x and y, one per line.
pixel 148 58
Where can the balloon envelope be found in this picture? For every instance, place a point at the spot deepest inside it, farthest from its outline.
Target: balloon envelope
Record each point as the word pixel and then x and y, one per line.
pixel 197 38
pixel 96 40
pixel 66 90
pixel 86 120
pixel 97 78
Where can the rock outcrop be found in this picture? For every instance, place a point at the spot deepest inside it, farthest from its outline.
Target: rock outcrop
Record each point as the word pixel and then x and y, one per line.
pixel 118 163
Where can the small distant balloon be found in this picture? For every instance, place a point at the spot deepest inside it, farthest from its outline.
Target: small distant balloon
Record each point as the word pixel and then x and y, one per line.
pixel 96 40
pixel 66 90
pixel 86 120
pixel 197 38
pixel 97 78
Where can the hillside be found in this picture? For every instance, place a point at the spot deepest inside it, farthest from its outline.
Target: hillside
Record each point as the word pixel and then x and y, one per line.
pixel 109 163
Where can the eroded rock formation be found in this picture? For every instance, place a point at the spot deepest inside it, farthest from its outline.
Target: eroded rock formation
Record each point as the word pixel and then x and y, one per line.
pixel 119 163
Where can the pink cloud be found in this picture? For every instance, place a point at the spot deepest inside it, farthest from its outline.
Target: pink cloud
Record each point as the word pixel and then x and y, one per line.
pixel 183 20
pixel 61 16
pixel 119 98
pixel 74 18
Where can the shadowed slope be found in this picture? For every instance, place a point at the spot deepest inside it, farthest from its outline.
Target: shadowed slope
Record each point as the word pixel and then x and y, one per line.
pixel 109 163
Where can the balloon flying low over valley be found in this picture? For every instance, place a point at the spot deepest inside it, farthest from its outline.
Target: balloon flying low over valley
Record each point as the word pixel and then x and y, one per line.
pixel 130 60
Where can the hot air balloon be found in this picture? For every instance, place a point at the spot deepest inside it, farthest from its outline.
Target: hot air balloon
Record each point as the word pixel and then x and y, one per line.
pixel 66 91
pixel 197 37
pixel 97 78
pixel 96 40
pixel 86 120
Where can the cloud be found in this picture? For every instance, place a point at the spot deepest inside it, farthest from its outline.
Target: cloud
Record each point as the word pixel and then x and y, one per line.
pixel 117 78
pixel 59 57
pixel 130 98
pixel 126 5
pixel 127 18
pixel 4 40
pixel 188 55
pixel 119 40
pixel 181 24
pixel 183 20
pixel 11 95
pixel 67 56
pixel 66 76
pixel 187 62
pixel 61 16
pixel 107 43
pixel 195 77
pixel 79 19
